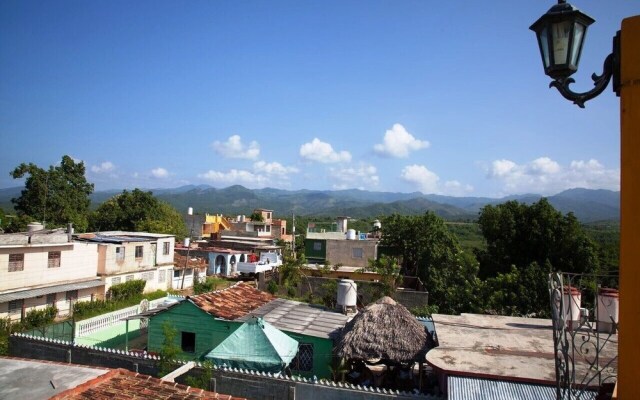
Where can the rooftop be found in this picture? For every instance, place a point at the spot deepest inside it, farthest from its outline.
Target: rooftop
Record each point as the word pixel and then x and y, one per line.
pixel 22 378
pixel 233 302
pixel 499 347
pixel 303 318
pixel 120 237
pixel 180 261
pixel 38 237
pixel 123 384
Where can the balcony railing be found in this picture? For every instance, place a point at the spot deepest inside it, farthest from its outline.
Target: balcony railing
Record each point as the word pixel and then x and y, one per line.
pixel 584 310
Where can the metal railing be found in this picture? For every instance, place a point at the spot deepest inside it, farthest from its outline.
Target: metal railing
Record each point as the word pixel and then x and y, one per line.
pixel 584 310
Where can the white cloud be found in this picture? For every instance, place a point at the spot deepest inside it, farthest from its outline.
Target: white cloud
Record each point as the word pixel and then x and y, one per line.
pixel 235 176
pixel 426 181
pixel 234 148
pixel 319 151
pixel 104 167
pixel 273 168
pixel 546 176
pixel 159 173
pixel 399 143
pixel 362 177
pixel 455 188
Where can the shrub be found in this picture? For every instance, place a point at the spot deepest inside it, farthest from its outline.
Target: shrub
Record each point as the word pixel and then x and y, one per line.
pixel 272 287
pixel 127 290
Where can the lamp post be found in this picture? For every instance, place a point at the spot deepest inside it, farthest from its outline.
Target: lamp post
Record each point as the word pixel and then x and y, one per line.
pixel 561 33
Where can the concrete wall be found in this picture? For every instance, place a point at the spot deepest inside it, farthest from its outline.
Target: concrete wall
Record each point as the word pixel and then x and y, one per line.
pixel 249 384
pixel 157 278
pixel 343 252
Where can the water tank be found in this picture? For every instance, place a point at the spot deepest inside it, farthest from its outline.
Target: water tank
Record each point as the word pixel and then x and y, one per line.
pixel 187 242
pixel 351 234
pixel 347 293
pixel 377 224
pixel 608 310
pixel 572 300
pixel 34 226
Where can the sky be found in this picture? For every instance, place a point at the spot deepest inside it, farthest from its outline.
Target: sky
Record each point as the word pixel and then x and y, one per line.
pixel 397 96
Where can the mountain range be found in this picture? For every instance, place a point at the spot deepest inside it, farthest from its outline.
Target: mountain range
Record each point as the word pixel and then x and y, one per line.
pixel 587 204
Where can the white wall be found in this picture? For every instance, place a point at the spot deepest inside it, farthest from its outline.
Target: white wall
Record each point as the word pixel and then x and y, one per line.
pixel 78 261
pixel 157 279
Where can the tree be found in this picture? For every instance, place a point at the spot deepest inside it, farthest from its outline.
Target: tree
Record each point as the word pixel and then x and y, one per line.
pixel 57 196
pixel 138 211
pixel 519 234
pixel 427 249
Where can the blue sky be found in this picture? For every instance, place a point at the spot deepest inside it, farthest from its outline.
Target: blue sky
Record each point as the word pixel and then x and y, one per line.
pixel 438 97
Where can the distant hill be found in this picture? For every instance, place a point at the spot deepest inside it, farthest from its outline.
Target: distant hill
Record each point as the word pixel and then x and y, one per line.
pixel 588 205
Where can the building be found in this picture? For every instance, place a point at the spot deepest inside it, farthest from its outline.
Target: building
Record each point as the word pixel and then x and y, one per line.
pixel 202 322
pixel 125 256
pixel 484 351
pixel 214 224
pixel 186 269
pixel 41 268
pixel 339 245
pixel 32 379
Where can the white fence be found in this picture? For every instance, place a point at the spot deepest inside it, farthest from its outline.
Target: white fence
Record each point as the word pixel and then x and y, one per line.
pixel 92 325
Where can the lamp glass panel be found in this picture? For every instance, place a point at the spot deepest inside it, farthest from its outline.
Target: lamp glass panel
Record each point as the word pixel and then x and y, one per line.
pixel 560 34
pixel 543 39
pixel 578 36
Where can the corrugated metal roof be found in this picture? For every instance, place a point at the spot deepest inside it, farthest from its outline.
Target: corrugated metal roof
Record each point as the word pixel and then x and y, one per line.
pixel 296 317
pixel 468 388
pixel 29 293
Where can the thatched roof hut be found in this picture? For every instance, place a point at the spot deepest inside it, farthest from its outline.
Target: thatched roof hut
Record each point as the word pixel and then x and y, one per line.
pixel 384 330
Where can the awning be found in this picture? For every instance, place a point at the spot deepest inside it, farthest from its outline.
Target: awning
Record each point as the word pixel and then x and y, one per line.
pixel 255 345
pixel 30 293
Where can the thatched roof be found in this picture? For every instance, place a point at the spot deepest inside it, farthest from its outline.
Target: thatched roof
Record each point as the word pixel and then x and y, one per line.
pixel 384 330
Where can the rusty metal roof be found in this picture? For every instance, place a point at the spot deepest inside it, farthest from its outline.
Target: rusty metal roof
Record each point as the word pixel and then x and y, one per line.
pixel 233 302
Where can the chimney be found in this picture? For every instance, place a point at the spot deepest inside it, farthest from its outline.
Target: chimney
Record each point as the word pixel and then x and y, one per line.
pixel 69 232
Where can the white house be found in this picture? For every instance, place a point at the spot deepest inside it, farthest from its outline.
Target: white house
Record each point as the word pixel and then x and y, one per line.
pixel 125 256
pixel 46 267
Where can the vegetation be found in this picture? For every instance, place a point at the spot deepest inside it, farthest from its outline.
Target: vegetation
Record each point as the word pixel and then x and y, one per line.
pixel 126 290
pixel 138 211
pixel 88 309
pixel 389 270
pixel 57 196
pixel 169 350
pixel 208 284
pixel 35 319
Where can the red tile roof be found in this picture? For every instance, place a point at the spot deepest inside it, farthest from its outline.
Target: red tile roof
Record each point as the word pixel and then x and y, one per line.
pixel 180 261
pixel 123 384
pixel 234 302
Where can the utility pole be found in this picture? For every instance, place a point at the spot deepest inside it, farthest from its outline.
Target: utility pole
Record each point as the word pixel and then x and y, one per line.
pixel 186 262
pixel 293 235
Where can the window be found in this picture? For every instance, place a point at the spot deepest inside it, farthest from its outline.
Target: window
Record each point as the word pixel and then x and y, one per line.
pixel 165 248
pixel 317 246
pixel 188 343
pixel 129 278
pixel 303 361
pixel 161 277
pixel 357 252
pixel 139 252
pixel 189 272
pixel 15 306
pixel 54 259
pixel 16 262
pixel 116 280
pixel 51 299
pixel 119 254
pixel 72 295
pixel 176 273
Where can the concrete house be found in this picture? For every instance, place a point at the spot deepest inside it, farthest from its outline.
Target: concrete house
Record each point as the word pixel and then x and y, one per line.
pixel 124 256
pixel 339 245
pixel 202 322
pixel 41 267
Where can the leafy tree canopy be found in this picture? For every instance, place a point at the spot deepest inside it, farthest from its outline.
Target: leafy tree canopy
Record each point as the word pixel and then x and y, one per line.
pixel 519 234
pixel 138 211
pixel 56 196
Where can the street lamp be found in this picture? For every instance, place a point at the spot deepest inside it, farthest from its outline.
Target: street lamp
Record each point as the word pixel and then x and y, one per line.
pixel 561 33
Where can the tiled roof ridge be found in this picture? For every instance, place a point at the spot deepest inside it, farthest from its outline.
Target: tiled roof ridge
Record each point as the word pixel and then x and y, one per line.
pixel 233 302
